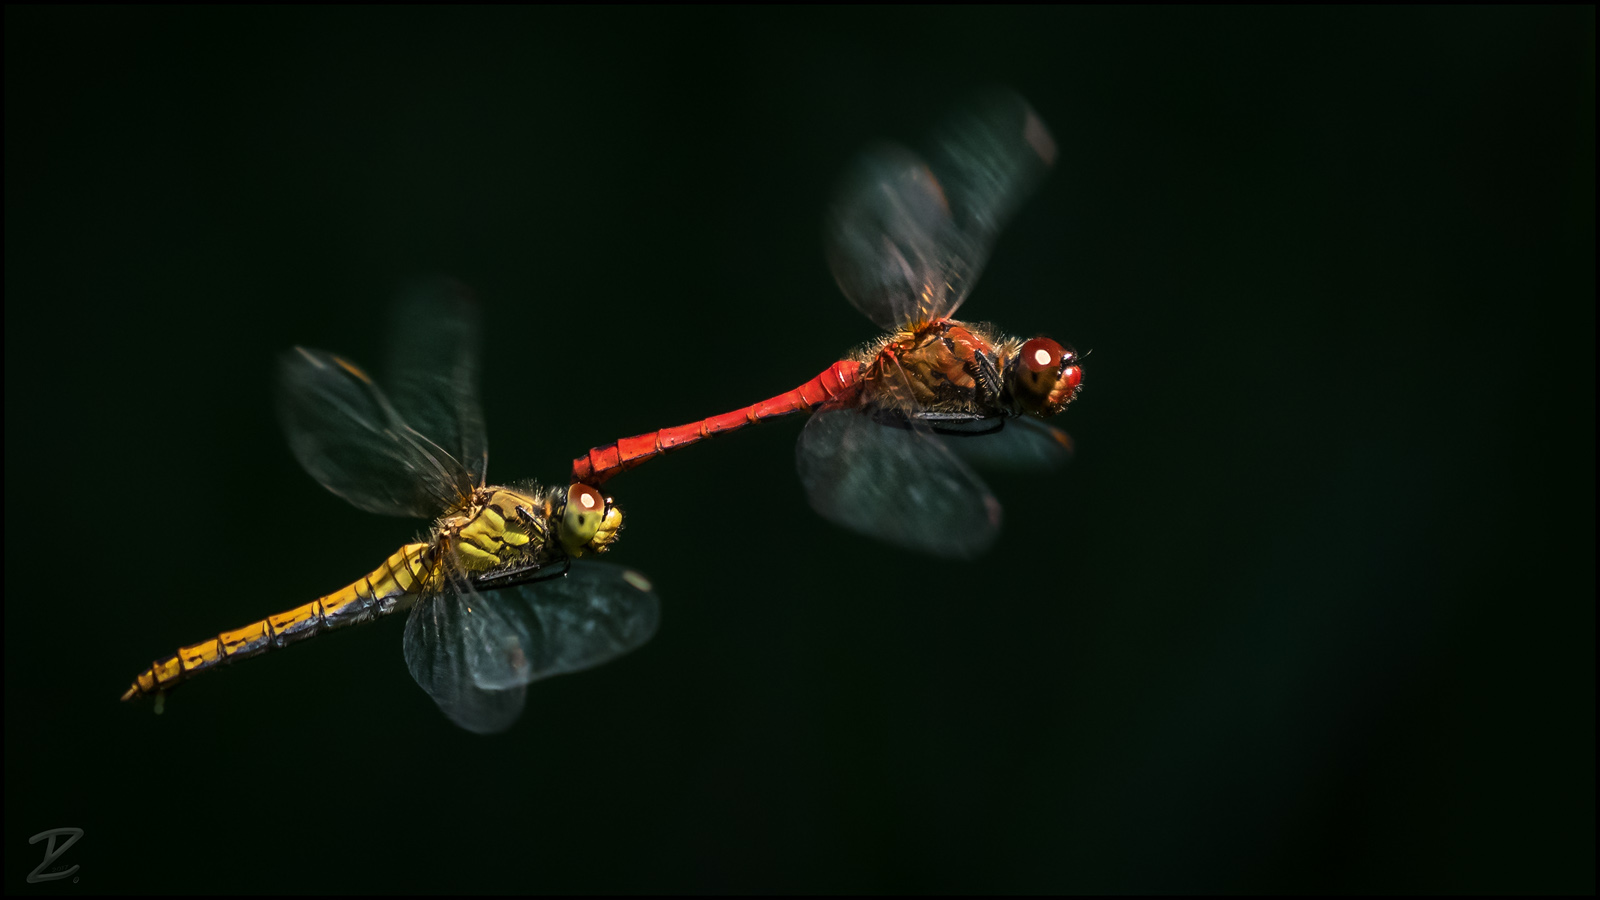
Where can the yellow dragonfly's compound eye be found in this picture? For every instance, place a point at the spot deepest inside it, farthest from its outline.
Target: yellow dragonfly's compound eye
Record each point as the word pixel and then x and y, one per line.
pixel 581 518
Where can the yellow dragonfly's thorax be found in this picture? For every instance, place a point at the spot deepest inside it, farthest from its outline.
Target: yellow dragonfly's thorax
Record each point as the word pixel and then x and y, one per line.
pixel 500 526
pixel 503 526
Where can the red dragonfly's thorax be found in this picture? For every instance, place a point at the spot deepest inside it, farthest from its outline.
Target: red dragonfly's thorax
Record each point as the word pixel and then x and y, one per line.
pixel 955 367
pixel 937 367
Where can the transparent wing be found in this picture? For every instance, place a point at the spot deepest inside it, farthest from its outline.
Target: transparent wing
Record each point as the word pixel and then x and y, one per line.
pixel 906 240
pixel 348 436
pixel 433 369
pixel 891 243
pixel 989 153
pixel 1015 443
pixel 480 711
pixel 444 646
pixel 461 644
pixel 896 483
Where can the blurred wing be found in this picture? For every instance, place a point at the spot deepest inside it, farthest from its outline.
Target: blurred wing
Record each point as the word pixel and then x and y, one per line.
pixel 989 153
pixel 906 240
pixel 1015 443
pixel 891 243
pixel 898 484
pixel 433 370
pixel 354 443
pixel 461 644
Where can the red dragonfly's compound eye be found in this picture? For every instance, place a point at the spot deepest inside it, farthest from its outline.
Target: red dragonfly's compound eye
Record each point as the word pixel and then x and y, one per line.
pixel 1067 385
pixel 1042 355
pixel 1071 377
pixel 1038 366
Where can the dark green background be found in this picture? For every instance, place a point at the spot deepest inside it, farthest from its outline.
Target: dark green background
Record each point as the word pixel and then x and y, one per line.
pixel 1312 610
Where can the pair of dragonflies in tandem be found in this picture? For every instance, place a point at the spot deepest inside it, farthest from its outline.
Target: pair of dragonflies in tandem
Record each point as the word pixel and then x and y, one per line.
pixel 501 589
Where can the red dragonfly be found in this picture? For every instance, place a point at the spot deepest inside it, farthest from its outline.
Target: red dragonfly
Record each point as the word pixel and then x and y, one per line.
pixel 896 423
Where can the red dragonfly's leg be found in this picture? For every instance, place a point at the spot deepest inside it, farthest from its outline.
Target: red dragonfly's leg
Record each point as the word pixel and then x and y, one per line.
pixel 601 463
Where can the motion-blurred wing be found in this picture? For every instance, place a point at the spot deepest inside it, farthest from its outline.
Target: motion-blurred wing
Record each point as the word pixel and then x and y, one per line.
pixel 1015 443
pixel 461 644
pixel 898 484
pixel 989 153
pixel 433 370
pixel 891 244
pixel 906 240
pixel 348 436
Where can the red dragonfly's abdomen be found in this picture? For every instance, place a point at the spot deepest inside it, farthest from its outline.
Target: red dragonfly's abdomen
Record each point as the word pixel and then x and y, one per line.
pixel 601 463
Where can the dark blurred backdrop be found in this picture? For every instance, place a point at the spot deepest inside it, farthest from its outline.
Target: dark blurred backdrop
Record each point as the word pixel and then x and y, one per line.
pixel 1312 610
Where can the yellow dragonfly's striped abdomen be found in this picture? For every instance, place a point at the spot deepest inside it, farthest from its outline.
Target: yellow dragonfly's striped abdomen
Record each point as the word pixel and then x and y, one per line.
pixel 393 585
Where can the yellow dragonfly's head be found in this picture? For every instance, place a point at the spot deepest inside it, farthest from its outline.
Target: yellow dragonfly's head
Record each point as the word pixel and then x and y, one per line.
pixel 588 521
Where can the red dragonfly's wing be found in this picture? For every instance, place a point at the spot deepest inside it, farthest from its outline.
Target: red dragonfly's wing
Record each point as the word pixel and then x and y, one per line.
pixel 891 244
pixel 1014 443
pixel 906 239
pixel 990 153
pixel 476 652
pixel 898 483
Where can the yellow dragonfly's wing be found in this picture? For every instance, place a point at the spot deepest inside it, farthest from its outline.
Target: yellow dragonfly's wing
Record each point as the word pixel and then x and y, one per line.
pixel 422 453
pixel 476 652
pixel 433 370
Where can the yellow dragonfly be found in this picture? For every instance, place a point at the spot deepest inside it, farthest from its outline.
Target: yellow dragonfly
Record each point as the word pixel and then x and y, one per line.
pixel 496 600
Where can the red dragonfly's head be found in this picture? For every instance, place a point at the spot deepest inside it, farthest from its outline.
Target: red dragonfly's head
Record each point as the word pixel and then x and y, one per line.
pixel 1044 377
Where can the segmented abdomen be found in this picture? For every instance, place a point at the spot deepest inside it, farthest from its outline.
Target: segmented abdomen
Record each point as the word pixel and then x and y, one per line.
pixel 601 463
pixel 401 577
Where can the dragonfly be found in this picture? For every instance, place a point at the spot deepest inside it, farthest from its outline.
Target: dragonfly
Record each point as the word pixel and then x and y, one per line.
pixel 501 588
pixel 897 425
